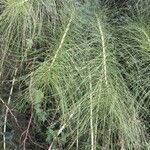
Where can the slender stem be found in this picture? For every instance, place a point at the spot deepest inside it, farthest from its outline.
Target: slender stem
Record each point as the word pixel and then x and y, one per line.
pixel 62 41
pixel 2 63
pixel 10 112
pixel 7 109
pixel 104 49
pixel 91 113
pixel 59 132
pixel 27 131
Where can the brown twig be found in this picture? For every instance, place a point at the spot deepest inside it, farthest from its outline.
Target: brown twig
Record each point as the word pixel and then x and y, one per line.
pixel 10 112
pixel 26 132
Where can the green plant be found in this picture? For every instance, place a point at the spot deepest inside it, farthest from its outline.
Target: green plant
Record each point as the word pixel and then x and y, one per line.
pixel 82 74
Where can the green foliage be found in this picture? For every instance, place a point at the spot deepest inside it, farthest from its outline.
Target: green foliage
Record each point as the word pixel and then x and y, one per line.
pixel 83 74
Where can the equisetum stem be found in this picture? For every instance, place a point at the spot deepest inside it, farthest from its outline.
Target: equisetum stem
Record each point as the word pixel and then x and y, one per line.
pixel 7 110
pixel 61 43
pixel 91 113
pixel 104 49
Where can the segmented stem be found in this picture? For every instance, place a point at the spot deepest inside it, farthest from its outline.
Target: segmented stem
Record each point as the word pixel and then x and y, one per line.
pixel 61 43
pixel 104 50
